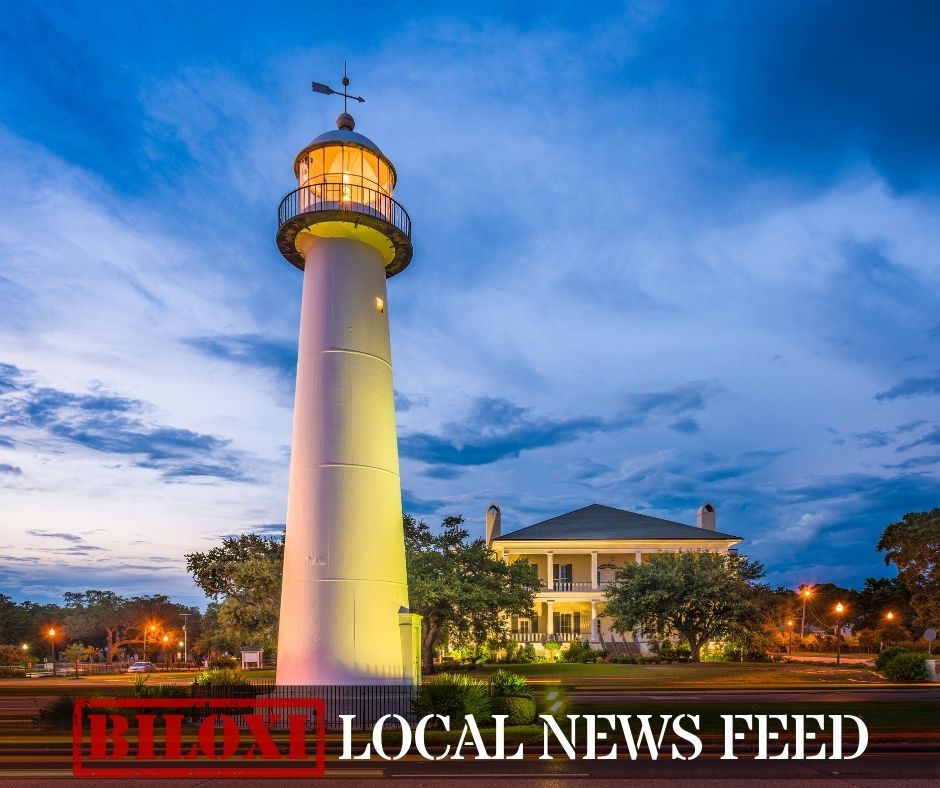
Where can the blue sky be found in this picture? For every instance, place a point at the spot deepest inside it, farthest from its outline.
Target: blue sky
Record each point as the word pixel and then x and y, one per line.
pixel 664 253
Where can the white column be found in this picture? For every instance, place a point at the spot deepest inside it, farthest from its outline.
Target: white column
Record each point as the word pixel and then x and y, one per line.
pixel 594 570
pixel 593 621
pixel 550 618
pixel 550 570
pixel 639 557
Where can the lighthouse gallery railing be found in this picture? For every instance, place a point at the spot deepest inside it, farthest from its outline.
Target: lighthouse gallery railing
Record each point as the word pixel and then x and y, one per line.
pixel 348 197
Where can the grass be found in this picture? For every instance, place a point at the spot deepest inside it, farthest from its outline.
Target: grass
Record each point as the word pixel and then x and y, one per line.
pixel 726 675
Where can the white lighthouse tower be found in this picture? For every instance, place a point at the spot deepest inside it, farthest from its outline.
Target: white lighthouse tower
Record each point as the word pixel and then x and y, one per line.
pixel 344 604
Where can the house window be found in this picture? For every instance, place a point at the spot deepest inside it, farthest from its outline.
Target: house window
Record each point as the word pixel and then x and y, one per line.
pixel 562 577
pixel 524 626
pixel 576 624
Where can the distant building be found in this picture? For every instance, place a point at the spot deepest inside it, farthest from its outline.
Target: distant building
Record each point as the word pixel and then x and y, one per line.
pixel 578 554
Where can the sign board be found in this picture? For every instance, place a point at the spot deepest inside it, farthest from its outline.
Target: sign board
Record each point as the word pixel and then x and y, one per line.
pixel 930 635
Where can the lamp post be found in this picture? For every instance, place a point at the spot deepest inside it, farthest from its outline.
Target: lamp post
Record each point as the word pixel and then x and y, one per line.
pixel 839 609
pixel 790 637
pixel 805 593
pixel 889 616
pixel 166 640
pixel 51 634
pixel 152 628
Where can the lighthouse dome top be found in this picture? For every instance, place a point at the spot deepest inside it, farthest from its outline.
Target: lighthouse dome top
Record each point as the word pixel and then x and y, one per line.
pixel 344 136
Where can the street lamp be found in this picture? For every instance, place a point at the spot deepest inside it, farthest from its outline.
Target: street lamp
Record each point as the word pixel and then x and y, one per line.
pixel 51 634
pixel 166 640
pixel 839 609
pixel 790 637
pixel 805 593
pixel 152 629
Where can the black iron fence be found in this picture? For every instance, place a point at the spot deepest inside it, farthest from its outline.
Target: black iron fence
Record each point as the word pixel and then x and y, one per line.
pixel 368 703
pixel 344 197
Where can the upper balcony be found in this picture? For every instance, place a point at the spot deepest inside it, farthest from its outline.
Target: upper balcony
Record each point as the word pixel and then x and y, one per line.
pixel 353 204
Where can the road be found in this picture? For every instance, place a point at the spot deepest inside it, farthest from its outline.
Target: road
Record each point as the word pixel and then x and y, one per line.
pixel 912 770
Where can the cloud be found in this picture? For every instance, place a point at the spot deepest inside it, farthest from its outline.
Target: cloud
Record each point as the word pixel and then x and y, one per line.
pixel 928 385
pixel 873 439
pixel 12 470
pixel 50 535
pixel 6 442
pixel 252 350
pixel 116 425
pixel 496 429
pixel 405 402
pixel 931 438
pixel 686 426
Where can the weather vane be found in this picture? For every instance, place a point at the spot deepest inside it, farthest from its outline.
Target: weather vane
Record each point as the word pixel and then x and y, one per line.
pixel 319 87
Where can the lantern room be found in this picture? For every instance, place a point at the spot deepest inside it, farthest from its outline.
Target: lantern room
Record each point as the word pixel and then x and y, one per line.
pixel 344 189
pixel 347 158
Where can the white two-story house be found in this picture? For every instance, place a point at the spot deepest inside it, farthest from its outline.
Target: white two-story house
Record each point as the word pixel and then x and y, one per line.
pixel 578 554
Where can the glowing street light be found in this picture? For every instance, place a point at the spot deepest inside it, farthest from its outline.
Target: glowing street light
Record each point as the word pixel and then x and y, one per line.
pixel 151 628
pixel 805 593
pixel 839 608
pixel 889 615
pixel 51 634
pixel 790 637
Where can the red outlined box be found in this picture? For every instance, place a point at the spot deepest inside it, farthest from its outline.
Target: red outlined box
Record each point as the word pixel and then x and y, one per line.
pixel 177 768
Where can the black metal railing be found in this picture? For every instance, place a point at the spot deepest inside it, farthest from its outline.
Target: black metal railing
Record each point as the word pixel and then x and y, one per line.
pixel 367 702
pixel 349 197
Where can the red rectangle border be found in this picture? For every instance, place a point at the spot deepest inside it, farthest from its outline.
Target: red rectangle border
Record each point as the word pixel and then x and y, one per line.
pixel 198 771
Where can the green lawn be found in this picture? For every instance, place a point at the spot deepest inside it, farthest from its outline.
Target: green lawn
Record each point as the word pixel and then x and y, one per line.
pixel 727 675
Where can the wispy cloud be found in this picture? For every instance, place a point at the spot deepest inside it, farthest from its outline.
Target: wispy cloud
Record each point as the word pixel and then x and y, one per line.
pixel 115 425
pixel 928 386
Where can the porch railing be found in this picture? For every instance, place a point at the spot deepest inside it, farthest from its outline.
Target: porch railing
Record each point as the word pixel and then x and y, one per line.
pixel 544 637
pixel 577 585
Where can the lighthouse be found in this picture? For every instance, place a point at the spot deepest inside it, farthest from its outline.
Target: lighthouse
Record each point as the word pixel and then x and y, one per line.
pixel 344 602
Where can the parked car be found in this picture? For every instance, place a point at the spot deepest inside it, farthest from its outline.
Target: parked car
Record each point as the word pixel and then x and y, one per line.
pixel 142 667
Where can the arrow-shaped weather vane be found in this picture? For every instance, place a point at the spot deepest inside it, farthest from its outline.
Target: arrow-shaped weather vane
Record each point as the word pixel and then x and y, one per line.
pixel 319 87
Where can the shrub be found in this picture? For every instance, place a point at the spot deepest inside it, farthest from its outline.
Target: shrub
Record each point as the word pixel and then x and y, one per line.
pixel 224 662
pixel 11 672
pixel 230 682
pixel 907 666
pixel 578 651
pixel 10 655
pixel 141 689
pixel 527 654
pixel 454 696
pixel 885 656
pixel 58 713
pixel 552 647
pixel 505 684
pixel 519 710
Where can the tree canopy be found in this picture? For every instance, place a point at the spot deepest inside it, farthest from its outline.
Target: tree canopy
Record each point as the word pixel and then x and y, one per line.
pixel 698 596
pixel 913 545
pixel 463 591
pixel 120 622
pixel 245 573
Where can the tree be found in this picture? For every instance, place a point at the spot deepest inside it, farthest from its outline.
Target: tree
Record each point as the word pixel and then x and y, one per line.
pixel 245 572
pixel 880 596
pixel 913 545
pixel 699 596
pixel 462 591
pixel 75 652
pixel 120 622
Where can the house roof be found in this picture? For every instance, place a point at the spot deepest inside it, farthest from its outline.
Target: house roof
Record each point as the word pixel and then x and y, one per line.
pixel 605 522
